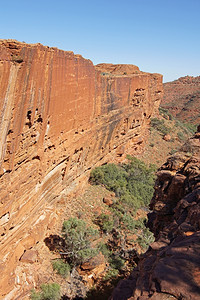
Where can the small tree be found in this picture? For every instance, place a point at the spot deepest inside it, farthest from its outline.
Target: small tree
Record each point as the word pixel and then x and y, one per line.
pixel 62 267
pixel 78 237
pixel 105 222
pixel 49 291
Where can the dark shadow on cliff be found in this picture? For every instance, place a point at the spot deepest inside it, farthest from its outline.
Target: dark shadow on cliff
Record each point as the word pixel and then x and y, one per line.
pixel 174 270
pixel 54 242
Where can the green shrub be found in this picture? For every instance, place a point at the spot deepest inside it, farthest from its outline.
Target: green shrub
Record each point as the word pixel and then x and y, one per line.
pixel 165 113
pixel 62 268
pixel 50 291
pixel 116 262
pixel 112 273
pixel 132 182
pixel 78 237
pixel 173 151
pixel 181 136
pixel 104 249
pixel 160 126
pixel 128 222
pixel 145 238
pixel 105 222
pixel 188 128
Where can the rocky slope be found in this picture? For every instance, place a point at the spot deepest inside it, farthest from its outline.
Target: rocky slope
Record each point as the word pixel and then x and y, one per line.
pixel 170 269
pixel 60 116
pixel 181 98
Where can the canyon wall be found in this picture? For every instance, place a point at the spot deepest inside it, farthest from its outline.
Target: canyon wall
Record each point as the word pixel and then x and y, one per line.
pixel 60 117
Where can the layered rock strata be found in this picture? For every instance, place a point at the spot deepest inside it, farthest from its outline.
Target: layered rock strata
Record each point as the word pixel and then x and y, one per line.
pixel 170 269
pixel 60 116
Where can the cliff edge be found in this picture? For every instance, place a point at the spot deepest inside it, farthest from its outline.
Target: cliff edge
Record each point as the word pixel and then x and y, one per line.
pixel 170 269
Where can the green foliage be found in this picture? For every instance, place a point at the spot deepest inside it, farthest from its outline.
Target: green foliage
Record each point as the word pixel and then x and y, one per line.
pixel 181 136
pixel 132 182
pixel 160 126
pixel 49 291
pixel 186 127
pixel 104 249
pixel 128 221
pixel 145 238
pixel 165 113
pixel 112 273
pixel 78 237
pixel 105 222
pixel 116 262
pixel 173 151
pixel 62 267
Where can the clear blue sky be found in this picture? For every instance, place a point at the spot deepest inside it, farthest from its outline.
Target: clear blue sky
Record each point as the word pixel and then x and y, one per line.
pixel 161 36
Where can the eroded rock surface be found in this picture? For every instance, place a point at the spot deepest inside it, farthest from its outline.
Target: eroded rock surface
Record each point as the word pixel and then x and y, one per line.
pixel 181 98
pixel 60 116
pixel 170 269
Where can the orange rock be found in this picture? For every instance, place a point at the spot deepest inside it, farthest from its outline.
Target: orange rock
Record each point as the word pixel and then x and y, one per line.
pixel 108 200
pixel 60 117
pixel 167 137
pixel 30 256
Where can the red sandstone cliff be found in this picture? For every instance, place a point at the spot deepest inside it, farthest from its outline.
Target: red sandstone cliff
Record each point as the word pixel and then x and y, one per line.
pixel 59 118
pixel 170 269
pixel 181 98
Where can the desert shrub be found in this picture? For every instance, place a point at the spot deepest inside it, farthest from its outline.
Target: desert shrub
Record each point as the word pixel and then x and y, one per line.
pixel 160 126
pixel 105 222
pixel 104 249
pixel 116 262
pixel 188 128
pixel 78 237
pixel 112 273
pixel 62 267
pixel 181 135
pixel 111 176
pixel 145 238
pixel 132 182
pixel 50 291
pixel 173 151
pixel 128 221
pixel 165 113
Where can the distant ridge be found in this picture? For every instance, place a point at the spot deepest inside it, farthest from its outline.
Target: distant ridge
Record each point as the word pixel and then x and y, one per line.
pixel 181 98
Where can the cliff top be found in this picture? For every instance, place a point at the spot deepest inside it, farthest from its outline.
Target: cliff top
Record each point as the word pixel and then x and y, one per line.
pixel 118 69
pixel 14 47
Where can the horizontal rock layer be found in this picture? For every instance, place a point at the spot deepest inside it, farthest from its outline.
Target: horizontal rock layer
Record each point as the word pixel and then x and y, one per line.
pixel 170 269
pixel 60 116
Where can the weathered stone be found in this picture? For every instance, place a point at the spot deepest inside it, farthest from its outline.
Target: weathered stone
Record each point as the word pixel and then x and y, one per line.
pixel 108 200
pixel 60 117
pixel 29 256
pixel 167 137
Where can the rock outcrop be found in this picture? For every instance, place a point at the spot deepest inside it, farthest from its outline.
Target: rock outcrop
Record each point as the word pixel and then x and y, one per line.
pixel 181 98
pixel 170 269
pixel 60 116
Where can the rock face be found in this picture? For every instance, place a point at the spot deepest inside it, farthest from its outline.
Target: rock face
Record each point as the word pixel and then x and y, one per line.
pixel 181 98
pixel 60 116
pixel 170 269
